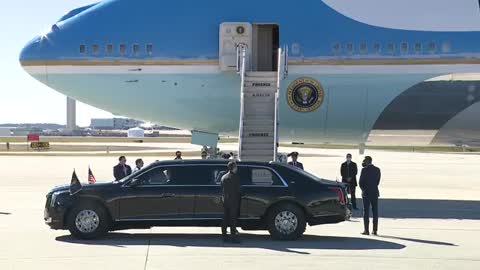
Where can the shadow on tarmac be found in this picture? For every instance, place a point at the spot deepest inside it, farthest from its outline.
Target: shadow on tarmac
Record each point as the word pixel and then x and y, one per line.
pixel 431 209
pixel 418 240
pixel 5 213
pixel 248 241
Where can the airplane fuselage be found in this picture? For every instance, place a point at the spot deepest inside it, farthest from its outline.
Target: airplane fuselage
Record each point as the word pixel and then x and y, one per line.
pixel 159 61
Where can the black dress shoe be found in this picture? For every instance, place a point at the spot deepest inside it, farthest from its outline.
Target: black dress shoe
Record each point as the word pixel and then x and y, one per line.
pixel 374 233
pixel 365 233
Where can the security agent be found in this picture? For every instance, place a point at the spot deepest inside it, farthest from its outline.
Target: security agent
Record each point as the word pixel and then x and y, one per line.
pixel 349 171
pixel 231 196
pixel 122 169
pixel 369 181
pixel 294 161
pixel 138 165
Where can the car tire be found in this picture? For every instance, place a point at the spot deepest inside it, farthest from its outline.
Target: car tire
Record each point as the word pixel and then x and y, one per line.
pixel 286 221
pixel 88 220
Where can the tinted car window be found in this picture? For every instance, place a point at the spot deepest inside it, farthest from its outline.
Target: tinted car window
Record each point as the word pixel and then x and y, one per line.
pixel 259 177
pixel 193 175
pixel 178 175
pixel 250 176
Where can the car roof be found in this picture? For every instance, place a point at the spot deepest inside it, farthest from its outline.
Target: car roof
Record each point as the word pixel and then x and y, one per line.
pixel 209 162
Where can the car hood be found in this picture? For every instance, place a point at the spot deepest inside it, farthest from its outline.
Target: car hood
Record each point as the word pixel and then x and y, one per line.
pixel 85 186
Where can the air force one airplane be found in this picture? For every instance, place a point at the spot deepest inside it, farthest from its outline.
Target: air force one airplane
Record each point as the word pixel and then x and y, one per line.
pixel 176 62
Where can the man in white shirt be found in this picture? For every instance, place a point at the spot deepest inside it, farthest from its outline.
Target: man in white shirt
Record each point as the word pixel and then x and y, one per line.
pixel 138 165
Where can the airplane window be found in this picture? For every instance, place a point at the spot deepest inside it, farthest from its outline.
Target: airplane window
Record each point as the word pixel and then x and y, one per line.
pixel 363 48
pixel 83 49
pixel 149 49
pixel 123 49
pixel 432 47
pixel 109 49
pixel 391 48
pixel 404 47
pixel 350 48
pixel 376 47
pixel 135 49
pixel 95 49
pixel 418 47
pixel 336 48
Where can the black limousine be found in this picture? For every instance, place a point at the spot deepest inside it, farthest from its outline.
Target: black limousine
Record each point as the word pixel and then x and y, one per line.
pixel 276 197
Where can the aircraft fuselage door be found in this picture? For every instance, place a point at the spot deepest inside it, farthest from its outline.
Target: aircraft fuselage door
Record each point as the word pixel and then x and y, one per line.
pixel 232 34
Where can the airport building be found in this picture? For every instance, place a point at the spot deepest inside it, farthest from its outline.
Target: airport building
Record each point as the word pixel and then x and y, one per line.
pixel 114 123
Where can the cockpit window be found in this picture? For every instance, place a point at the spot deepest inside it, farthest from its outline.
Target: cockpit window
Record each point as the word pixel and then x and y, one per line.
pixel 95 49
pixel 83 49
pixel 136 49
pixel 123 49
pixel 432 47
pixel 149 49
pixel 404 47
pixel 109 49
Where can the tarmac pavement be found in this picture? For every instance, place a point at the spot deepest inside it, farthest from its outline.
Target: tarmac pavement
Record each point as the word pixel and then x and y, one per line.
pixel 429 209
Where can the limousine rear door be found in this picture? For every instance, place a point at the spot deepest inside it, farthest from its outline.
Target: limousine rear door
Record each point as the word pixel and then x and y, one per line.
pixel 208 202
pixel 261 187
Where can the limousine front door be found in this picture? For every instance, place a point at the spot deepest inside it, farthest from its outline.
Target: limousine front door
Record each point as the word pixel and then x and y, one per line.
pixel 158 194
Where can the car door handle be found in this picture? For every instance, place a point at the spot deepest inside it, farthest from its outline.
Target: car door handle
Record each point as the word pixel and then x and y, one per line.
pixel 166 195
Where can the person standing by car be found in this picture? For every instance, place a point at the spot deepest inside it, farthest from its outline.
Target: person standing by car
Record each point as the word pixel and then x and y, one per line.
pixel 349 171
pixel 178 155
pixel 294 161
pixel 122 169
pixel 369 181
pixel 231 195
pixel 138 165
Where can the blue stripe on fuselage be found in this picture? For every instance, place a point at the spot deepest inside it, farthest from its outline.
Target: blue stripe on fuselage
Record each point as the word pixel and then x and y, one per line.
pixel 187 29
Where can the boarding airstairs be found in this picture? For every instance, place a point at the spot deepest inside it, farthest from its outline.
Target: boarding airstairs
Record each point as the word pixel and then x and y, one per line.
pixel 258 138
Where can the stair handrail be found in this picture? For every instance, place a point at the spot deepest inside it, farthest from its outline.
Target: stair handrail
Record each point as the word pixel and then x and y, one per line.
pixel 285 63
pixel 241 61
pixel 280 77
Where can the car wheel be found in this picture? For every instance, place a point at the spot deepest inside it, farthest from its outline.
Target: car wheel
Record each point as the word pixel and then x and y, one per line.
pixel 88 221
pixel 286 222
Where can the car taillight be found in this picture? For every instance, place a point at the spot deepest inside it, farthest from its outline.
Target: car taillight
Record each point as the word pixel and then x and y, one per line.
pixel 341 198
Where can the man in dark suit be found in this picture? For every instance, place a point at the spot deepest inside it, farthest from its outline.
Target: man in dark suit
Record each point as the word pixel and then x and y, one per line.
pixel 349 171
pixel 294 161
pixel 231 196
pixel 122 169
pixel 369 181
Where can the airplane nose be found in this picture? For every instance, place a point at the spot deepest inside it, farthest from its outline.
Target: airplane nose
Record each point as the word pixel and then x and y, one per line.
pixel 31 58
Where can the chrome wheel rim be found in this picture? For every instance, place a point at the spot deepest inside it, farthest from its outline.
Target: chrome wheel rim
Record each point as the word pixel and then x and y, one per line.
pixel 87 221
pixel 286 222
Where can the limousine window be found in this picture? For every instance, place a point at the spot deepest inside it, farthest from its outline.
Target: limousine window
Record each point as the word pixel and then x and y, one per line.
pixel 173 175
pixel 252 177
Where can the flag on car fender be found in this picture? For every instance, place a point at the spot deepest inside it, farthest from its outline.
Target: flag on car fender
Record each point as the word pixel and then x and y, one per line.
pixel 75 185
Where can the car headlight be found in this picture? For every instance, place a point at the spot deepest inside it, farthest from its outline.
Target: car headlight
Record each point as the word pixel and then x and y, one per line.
pixel 54 197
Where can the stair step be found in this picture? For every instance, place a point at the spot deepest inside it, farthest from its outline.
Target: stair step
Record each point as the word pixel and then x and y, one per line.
pixel 257 152
pixel 246 140
pixel 257 105
pixel 271 80
pixel 257 137
pixel 259 147
pixel 263 128
pixel 272 74
pixel 258 158
pixel 259 122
